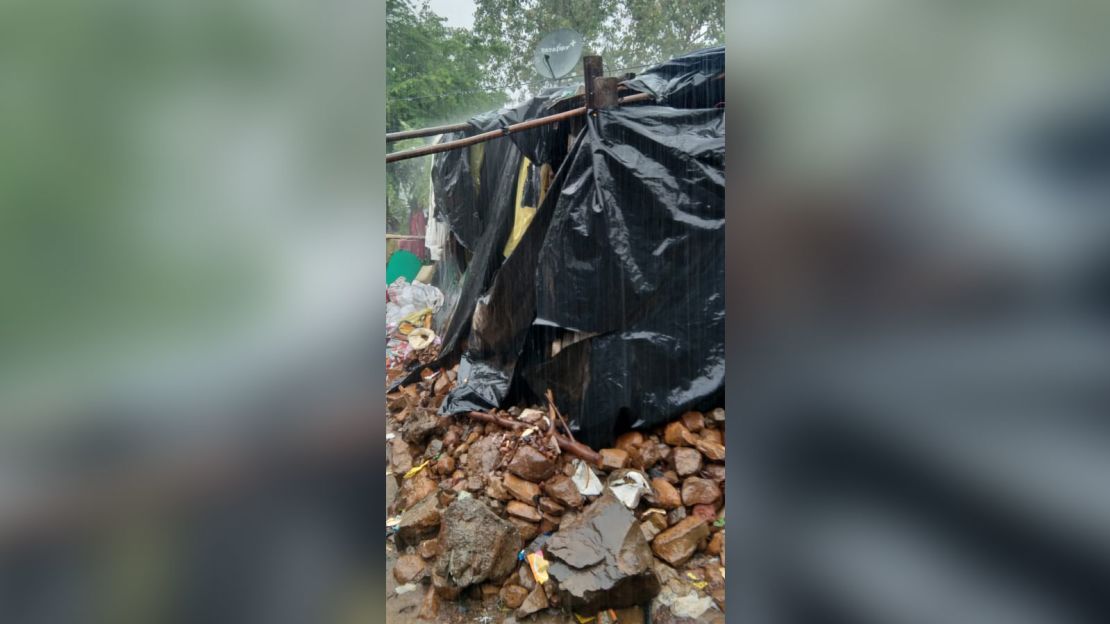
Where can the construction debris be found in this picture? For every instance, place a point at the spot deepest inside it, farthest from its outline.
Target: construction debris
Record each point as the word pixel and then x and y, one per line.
pixel 522 525
pixel 602 559
pixel 585 480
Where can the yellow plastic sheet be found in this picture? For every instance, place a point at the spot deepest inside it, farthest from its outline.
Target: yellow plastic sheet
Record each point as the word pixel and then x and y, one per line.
pixel 522 215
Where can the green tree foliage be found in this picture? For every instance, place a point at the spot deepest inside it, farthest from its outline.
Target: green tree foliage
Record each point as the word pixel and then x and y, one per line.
pixel 627 33
pixel 434 72
pixel 437 74
pixel 434 75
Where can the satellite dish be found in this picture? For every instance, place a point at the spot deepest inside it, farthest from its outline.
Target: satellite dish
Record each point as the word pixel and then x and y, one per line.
pixel 558 53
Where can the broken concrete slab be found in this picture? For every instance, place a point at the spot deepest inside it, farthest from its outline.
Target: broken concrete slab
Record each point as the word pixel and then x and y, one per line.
pixel 601 560
pixel 476 544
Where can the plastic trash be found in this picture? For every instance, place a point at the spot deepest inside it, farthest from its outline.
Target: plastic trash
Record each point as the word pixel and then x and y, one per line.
pixel 539 565
pixel 628 486
pixel 585 480
pixel 420 338
pixel 403 264
pixel 415 469
pixel 410 301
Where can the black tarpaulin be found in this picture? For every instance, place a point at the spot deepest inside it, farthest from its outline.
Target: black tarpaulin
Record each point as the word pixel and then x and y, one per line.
pixel 629 244
pixel 496 196
pixel 502 319
pixel 544 144
pixel 635 253
pixel 456 197
pixel 622 265
pixel 694 80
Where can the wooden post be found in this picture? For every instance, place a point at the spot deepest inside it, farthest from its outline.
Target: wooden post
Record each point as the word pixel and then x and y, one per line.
pixel 605 92
pixel 591 68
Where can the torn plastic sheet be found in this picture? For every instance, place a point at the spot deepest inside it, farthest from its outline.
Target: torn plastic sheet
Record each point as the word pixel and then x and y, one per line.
pixel 636 208
pixel 497 195
pixel 656 350
pixel 455 194
pixel 502 319
pixel 543 144
pixel 585 480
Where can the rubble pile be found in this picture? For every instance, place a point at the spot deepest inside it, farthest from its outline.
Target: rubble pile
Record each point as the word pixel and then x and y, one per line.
pixel 501 516
pixel 409 340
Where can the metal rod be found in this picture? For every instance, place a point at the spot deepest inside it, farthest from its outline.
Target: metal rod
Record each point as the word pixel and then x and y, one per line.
pixel 493 134
pixel 574 448
pixel 557 416
pixel 423 132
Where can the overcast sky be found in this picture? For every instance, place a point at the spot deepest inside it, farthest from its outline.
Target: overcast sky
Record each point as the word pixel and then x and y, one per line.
pixel 459 13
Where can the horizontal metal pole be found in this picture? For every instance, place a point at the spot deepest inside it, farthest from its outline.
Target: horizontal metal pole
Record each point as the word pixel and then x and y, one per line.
pixel 493 134
pixel 423 132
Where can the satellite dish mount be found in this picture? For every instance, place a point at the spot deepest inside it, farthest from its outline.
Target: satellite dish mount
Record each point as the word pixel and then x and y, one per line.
pixel 558 53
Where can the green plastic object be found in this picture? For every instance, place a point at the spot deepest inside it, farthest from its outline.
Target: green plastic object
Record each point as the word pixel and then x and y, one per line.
pixel 401 264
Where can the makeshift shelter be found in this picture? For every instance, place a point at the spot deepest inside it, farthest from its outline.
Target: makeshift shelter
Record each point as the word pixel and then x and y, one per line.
pixel 590 255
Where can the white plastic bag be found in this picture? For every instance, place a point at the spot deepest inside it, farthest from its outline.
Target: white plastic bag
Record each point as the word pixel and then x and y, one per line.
pixel 405 298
